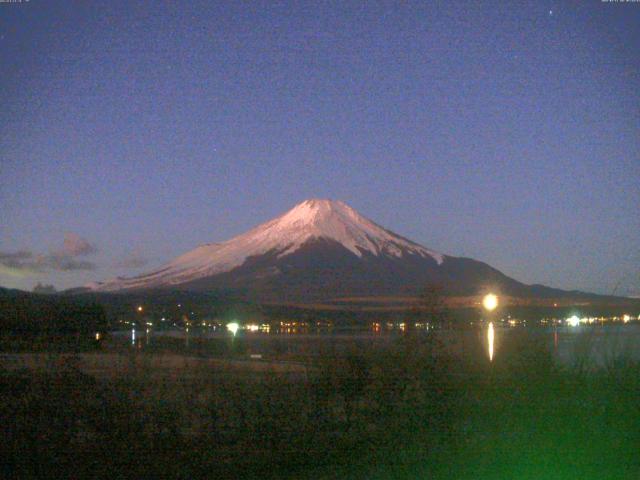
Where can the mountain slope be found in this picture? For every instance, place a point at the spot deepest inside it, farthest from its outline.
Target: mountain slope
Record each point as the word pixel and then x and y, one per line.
pixel 320 250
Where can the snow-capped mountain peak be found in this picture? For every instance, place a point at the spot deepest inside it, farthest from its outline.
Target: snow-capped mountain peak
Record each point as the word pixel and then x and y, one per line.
pixel 337 221
pixel 307 221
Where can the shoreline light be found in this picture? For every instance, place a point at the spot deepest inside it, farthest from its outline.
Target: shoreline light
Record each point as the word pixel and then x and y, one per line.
pixel 574 321
pixel 233 328
pixel 490 302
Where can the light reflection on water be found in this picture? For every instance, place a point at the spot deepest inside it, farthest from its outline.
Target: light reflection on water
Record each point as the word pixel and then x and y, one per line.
pixel 595 345
pixel 490 338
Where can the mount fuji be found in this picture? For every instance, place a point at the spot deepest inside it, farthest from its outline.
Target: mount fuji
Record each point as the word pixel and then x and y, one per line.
pixel 319 250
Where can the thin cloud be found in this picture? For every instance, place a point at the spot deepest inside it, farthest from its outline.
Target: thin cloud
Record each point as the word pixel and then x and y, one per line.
pixel 75 245
pixel 14 272
pixel 64 263
pixel 27 262
pixel 23 262
pixel 15 260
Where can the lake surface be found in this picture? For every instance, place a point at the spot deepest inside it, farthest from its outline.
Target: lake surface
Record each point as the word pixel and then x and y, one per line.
pixel 591 344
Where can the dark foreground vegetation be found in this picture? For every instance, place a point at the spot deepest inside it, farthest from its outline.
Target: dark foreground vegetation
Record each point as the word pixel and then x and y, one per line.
pixel 406 409
pixel 24 313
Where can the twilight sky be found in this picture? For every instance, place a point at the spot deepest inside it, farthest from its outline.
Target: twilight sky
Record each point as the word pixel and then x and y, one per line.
pixel 509 132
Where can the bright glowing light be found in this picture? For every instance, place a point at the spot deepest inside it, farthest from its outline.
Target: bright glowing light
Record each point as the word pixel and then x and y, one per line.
pixel 490 338
pixel 233 327
pixel 253 328
pixel 573 321
pixel 133 336
pixel 97 335
pixel 626 318
pixel 139 308
pixel 490 302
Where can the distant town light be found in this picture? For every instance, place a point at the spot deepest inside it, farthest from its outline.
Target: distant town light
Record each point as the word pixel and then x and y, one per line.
pixel 233 328
pixel 139 308
pixel 490 302
pixel 626 318
pixel 573 321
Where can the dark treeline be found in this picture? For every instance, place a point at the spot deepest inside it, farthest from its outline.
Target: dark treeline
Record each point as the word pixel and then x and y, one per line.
pixel 91 312
pixel 31 313
pixel 193 306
